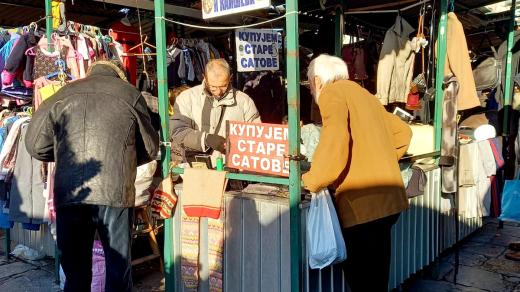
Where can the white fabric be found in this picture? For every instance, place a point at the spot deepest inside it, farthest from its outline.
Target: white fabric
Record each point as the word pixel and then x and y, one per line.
pixel 476 165
pixel 485 132
pixel 468 166
pixel 9 143
pixel 422 140
pixel 469 206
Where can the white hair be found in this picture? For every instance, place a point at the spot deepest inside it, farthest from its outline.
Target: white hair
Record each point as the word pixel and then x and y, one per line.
pixel 328 68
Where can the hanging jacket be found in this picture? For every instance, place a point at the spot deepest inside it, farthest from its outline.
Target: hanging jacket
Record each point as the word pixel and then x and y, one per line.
pixel 395 69
pixel 458 64
pixel 98 131
pixel 18 59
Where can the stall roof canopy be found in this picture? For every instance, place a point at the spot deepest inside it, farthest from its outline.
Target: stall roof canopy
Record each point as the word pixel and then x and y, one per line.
pixel 476 20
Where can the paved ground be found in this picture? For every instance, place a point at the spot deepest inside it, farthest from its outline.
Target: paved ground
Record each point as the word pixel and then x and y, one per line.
pixel 38 276
pixel 18 276
pixel 481 264
pixel 481 267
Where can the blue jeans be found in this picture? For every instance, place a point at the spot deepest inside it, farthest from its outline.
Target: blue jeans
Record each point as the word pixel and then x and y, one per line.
pixel 76 226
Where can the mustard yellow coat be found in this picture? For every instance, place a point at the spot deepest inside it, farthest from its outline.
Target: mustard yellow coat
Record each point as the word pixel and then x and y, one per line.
pixel 358 152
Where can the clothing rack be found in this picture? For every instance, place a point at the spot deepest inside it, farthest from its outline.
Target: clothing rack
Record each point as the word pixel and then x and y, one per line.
pixel 388 11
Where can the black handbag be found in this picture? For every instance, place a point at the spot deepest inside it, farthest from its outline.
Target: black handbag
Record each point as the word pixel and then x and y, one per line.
pixel 487 73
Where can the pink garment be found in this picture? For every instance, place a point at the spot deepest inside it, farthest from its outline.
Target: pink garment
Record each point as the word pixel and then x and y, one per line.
pixel 83 55
pixel 50 196
pixel 7 77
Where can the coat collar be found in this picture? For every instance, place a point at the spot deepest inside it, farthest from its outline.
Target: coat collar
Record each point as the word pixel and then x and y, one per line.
pixel 402 28
pixel 228 100
pixel 105 68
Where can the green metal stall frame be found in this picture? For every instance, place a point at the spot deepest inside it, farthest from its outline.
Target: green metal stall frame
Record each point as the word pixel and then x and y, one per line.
pixel 507 84
pixel 439 74
pixel 293 96
pixel 294 181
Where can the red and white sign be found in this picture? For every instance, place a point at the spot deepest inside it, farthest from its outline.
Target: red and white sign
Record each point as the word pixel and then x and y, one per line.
pixel 258 148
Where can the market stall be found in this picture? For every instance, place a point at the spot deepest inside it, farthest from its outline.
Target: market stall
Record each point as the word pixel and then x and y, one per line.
pixel 263 230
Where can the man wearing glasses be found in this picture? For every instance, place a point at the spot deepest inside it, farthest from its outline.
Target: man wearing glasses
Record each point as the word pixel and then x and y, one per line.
pixel 200 113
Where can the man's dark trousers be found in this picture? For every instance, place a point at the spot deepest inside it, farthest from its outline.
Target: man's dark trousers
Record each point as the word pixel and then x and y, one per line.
pixel 76 226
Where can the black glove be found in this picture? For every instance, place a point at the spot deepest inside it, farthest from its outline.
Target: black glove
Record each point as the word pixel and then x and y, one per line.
pixel 216 142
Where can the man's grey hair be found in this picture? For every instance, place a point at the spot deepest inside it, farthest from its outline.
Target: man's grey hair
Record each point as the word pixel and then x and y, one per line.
pixel 218 63
pixel 328 68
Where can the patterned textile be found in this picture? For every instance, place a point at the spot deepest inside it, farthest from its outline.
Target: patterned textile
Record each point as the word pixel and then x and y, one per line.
pixel 190 228
pixel 190 246
pixel 45 64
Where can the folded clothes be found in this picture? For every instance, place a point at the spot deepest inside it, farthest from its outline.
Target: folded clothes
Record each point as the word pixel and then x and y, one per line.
pixel 18 92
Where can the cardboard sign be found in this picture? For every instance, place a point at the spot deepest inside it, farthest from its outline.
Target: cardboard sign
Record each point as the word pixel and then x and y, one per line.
pixel 216 8
pixel 258 148
pixel 257 49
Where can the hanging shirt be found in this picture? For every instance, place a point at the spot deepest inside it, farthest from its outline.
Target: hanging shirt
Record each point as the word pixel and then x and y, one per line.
pixel 128 36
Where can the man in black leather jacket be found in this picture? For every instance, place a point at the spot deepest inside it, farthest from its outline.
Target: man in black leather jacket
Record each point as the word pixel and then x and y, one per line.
pixel 97 131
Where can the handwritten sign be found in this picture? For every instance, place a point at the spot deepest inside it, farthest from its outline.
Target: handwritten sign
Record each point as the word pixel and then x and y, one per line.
pixel 258 148
pixel 257 49
pixel 216 8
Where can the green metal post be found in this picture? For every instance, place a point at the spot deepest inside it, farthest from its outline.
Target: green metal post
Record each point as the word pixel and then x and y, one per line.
pixel 507 84
pixel 162 88
pixel 293 100
pixel 338 33
pixel 439 76
pixel 48 23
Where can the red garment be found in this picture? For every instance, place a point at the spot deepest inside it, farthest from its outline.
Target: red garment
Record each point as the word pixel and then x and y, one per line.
pixel 495 200
pixel 128 36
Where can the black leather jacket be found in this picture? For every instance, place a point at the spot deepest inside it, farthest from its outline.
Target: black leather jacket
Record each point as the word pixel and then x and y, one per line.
pixel 98 131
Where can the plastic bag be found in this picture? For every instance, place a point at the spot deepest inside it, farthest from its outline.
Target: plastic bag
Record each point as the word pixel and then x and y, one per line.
pixel 98 269
pixel 27 253
pixel 143 182
pixel 511 201
pixel 325 244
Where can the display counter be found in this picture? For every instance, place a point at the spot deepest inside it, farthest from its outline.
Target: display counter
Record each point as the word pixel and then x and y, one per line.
pixel 257 246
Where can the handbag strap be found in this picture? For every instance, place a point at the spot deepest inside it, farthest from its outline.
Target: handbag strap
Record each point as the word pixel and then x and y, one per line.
pixel 219 124
pixel 223 111
pixel 420 34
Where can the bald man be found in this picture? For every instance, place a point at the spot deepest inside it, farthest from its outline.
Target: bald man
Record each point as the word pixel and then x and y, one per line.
pixel 200 113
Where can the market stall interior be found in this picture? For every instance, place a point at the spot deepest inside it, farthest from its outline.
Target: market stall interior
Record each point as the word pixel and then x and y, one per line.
pixel 390 48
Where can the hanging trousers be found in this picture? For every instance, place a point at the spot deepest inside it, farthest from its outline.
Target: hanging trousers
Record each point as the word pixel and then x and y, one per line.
pixel 76 226
pixel 369 249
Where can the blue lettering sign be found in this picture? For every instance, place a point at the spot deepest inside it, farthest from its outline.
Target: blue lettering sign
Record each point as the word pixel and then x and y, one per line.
pixel 242 36
pixel 243 62
pixel 247 48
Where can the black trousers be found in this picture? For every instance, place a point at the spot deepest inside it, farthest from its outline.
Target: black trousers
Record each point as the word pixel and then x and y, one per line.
pixel 367 268
pixel 76 226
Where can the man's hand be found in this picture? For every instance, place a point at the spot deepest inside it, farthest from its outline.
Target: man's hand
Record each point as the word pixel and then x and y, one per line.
pixel 216 142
